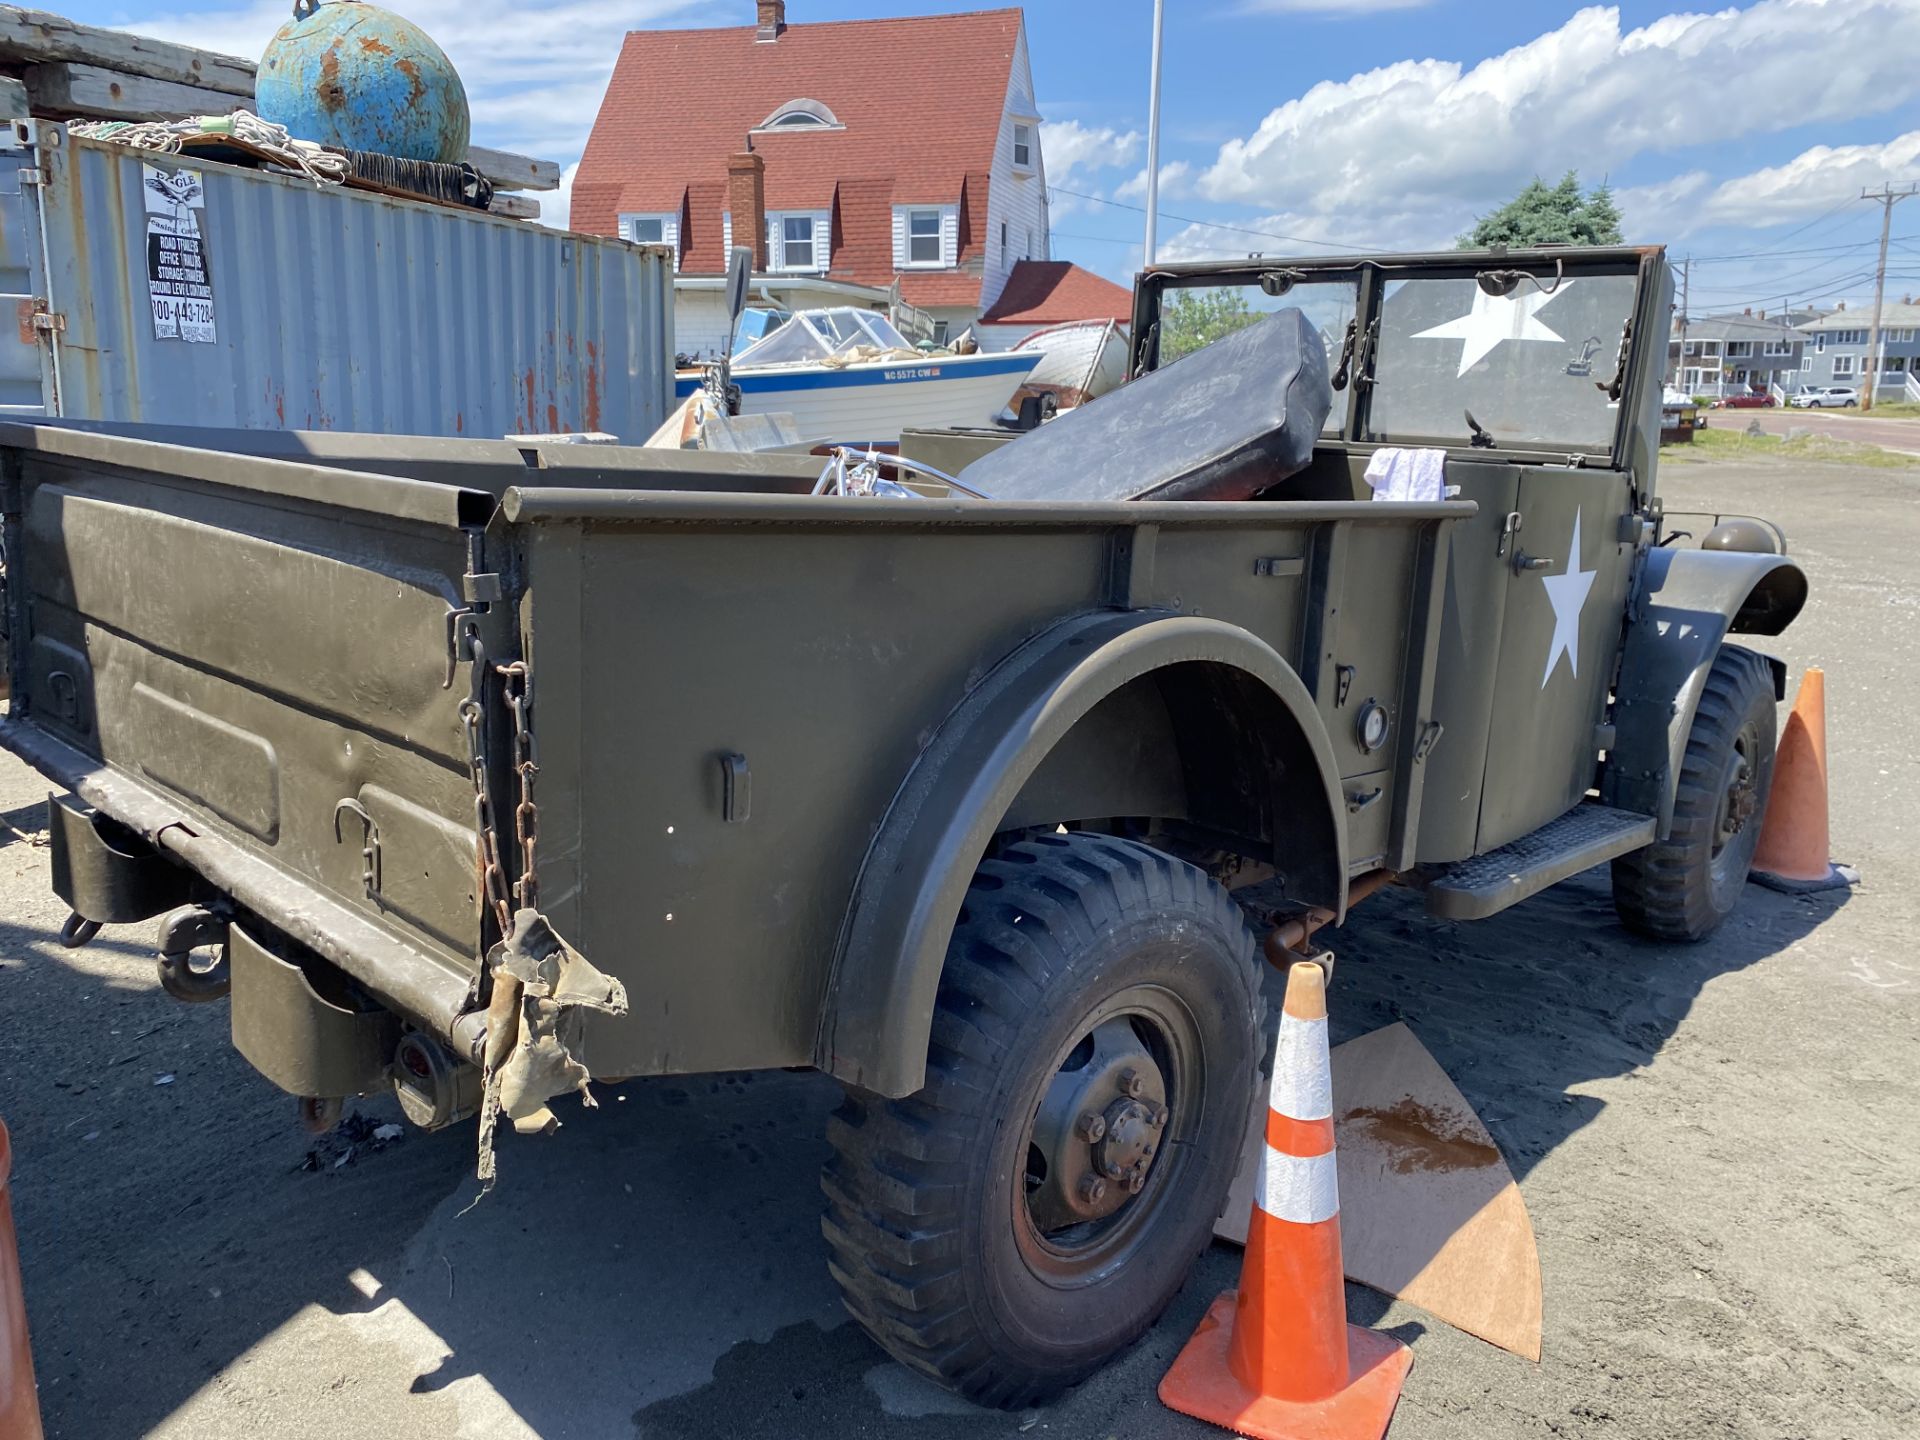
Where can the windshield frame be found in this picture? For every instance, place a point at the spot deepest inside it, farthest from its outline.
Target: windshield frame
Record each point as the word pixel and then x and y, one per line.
pixel 1371 274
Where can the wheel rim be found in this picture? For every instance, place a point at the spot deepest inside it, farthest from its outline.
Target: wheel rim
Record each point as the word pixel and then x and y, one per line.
pixel 1739 801
pixel 1108 1143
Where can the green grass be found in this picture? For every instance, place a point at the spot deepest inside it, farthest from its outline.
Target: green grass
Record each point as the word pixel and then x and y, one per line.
pixel 1715 444
pixel 1891 410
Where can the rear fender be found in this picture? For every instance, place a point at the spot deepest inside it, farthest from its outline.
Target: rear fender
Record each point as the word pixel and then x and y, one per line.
pixel 878 1008
pixel 1686 604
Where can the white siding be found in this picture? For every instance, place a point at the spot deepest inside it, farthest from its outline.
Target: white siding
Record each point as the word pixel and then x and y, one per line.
pixel 700 322
pixel 1017 199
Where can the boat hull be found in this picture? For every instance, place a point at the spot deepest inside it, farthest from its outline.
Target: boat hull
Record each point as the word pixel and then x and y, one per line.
pixel 1080 362
pixel 875 402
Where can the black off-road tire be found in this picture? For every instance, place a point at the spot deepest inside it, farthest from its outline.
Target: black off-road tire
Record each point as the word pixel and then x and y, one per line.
pixel 930 1219
pixel 1683 887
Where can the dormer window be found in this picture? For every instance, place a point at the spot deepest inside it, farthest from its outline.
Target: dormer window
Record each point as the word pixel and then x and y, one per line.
pixel 801 115
pixel 1023 146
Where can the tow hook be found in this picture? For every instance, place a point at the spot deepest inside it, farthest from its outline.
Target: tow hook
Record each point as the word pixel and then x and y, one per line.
pixel 78 931
pixel 190 928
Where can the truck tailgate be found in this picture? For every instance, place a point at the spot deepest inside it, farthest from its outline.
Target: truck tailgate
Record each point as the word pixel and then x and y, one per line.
pixel 253 654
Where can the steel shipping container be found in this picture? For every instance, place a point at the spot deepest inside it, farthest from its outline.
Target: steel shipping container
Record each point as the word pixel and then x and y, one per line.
pixel 331 309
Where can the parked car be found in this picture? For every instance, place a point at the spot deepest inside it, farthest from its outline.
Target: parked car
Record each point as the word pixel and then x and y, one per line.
pixel 1829 397
pixel 1752 400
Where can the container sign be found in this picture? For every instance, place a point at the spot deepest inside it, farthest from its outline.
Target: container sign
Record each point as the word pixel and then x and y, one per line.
pixel 177 279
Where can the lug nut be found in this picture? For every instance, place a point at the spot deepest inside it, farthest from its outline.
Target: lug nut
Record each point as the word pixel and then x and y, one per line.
pixel 1133 1082
pixel 1160 1118
pixel 1136 1181
pixel 1092 1126
pixel 1093 1190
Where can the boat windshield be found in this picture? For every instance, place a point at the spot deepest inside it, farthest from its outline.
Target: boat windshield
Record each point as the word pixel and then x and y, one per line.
pixel 812 336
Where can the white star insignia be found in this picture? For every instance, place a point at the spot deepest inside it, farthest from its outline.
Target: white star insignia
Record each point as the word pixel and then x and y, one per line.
pixel 1567 592
pixel 1495 318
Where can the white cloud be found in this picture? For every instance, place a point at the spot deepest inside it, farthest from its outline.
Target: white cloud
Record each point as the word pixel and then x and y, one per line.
pixel 1433 139
pixel 1173 180
pixel 1074 151
pixel 1328 7
pixel 1811 184
pixel 534 70
pixel 556 207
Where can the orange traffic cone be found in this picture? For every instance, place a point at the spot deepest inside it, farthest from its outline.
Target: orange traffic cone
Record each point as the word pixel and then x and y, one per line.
pixel 1276 1359
pixel 1792 854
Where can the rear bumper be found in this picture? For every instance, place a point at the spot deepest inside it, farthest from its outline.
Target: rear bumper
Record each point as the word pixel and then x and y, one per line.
pixel 419 985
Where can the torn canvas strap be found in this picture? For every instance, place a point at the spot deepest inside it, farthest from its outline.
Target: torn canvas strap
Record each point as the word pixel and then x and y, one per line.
pixel 542 991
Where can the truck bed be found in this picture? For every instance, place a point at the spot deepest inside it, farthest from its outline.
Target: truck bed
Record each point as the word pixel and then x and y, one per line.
pixel 244 650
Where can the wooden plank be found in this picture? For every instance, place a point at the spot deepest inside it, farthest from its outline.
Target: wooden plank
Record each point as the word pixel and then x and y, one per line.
pixel 514 207
pixel 34 37
pixel 508 171
pixel 66 90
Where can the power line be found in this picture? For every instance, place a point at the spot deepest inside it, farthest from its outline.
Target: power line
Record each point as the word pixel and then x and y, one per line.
pixel 1786 254
pixel 1222 225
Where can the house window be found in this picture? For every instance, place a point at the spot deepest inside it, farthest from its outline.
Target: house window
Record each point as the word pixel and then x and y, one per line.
pixel 798 241
pixel 653 230
pixel 923 237
pixel 1692 347
pixel 1003 239
pixel 940 332
pixel 1780 348
pixel 1842 366
pixel 1739 349
pixel 1740 376
pixel 1023 146
pixel 1806 363
pixel 801 115
pixel 1893 364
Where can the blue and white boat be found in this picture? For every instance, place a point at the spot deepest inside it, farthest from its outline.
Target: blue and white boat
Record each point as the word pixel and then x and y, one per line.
pixel 846 374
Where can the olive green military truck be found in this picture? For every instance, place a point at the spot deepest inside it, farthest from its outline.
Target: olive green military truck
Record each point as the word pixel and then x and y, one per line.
pixel 472 771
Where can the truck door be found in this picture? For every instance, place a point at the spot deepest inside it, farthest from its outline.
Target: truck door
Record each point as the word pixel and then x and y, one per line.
pixel 1511 374
pixel 1565 571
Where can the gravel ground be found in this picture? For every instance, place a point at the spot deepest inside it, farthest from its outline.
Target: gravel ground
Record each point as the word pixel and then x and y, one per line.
pixel 1717 1145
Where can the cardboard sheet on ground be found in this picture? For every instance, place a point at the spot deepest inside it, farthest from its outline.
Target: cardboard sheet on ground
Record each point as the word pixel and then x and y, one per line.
pixel 1429 1212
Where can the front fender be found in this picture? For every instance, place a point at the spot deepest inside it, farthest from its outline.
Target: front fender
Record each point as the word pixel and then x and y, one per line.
pixel 1685 605
pixel 878 1009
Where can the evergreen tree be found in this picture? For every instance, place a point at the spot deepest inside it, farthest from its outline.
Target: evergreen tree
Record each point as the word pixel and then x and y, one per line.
pixel 1549 215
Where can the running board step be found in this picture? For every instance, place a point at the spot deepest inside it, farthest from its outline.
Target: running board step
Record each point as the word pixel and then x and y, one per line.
pixel 1489 883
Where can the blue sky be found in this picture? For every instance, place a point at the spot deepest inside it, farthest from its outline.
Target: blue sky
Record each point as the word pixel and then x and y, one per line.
pixel 1740 136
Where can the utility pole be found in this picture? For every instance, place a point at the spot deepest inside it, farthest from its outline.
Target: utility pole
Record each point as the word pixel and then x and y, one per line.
pixel 1153 134
pixel 1888 198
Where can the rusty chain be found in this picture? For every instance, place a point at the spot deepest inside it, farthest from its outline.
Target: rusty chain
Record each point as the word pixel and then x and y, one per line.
pixel 473 719
pixel 517 682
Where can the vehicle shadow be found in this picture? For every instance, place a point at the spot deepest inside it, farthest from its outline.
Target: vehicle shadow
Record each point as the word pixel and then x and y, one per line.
pixel 654 1268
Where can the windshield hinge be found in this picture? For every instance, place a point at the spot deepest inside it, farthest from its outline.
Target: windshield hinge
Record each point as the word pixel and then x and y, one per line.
pixel 1369 351
pixel 1346 354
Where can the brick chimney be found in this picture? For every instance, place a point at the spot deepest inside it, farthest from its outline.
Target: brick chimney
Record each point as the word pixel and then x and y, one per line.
pixel 747 200
pixel 1841 306
pixel 773 19
pixel 1763 314
pixel 1748 310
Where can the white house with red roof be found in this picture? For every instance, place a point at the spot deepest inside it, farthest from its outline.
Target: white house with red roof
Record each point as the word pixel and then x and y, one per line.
pixel 855 157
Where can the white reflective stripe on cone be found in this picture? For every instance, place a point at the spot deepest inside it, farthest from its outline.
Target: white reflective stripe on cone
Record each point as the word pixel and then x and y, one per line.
pixel 1305 1190
pixel 1302 1070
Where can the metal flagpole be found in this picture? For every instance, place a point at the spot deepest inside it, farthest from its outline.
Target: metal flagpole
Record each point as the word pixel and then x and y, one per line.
pixel 1153 133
